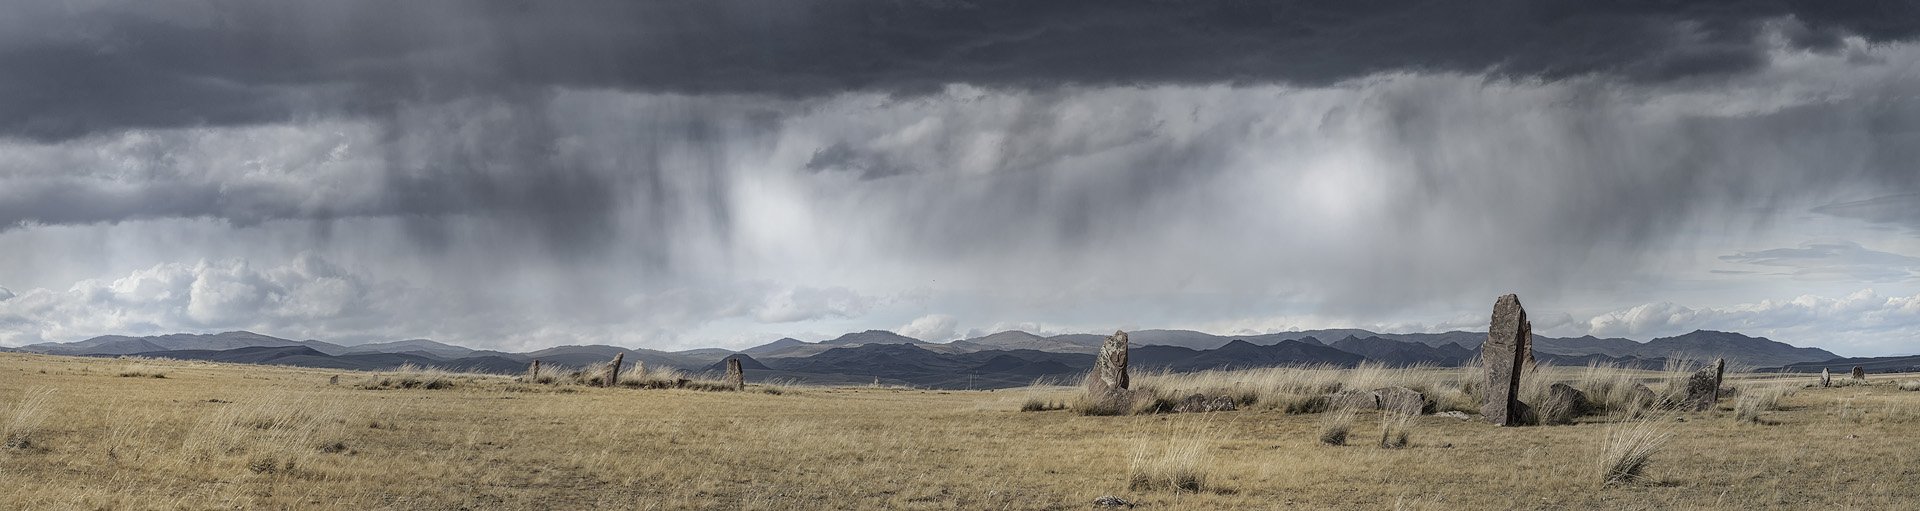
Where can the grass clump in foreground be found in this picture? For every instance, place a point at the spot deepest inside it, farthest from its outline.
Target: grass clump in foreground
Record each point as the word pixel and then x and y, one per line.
pixel 141 371
pixel 1179 463
pixel 23 419
pixel 1038 404
pixel 1755 400
pixel 1336 426
pixel 1396 429
pixel 1629 448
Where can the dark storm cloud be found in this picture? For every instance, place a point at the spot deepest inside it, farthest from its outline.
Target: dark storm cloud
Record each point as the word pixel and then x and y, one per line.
pixel 81 69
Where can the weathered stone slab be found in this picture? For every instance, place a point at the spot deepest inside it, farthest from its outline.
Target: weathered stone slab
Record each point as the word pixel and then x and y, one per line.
pixel 1703 388
pixel 1403 400
pixel 736 378
pixel 1644 395
pixel 1198 403
pixel 1507 348
pixel 1109 374
pixel 1562 405
pixel 1826 377
pixel 1859 373
pixel 1353 399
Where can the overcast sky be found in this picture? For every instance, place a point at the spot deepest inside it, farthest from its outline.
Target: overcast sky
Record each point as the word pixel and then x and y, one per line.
pixel 670 175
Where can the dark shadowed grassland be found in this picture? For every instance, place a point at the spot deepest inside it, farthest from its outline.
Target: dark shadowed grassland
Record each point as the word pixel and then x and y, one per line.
pixel 228 436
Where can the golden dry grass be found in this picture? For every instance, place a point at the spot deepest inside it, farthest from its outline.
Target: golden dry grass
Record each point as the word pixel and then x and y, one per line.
pixel 245 437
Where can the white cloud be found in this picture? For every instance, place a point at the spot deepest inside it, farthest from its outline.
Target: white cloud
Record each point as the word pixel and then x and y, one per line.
pixel 1862 322
pixel 307 295
pixel 931 328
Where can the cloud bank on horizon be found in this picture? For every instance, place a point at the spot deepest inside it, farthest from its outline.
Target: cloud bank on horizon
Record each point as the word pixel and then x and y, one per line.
pixel 680 174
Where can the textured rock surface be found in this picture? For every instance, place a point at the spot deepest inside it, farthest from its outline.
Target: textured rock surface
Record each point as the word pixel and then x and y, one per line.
pixel 1353 399
pixel 1197 403
pixel 1504 353
pixel 1109 374
pixel 1562 405
pixel 613 370
pixel 1859 373
pixel 1703 388
pixel 735 377
pixel 1403 400
pixel 1645 396
pixel 1826 377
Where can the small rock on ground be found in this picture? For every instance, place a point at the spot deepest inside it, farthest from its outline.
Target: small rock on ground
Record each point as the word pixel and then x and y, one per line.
pixel 1110 501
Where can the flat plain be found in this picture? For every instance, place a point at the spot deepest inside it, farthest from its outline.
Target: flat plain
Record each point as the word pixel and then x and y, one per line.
pixel 100 433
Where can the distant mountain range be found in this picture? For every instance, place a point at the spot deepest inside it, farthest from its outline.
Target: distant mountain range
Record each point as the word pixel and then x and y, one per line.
pixel 1003 359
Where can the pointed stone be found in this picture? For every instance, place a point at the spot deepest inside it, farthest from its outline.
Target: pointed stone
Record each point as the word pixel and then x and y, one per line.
pixel 613 370
pixel 1703 388
pixel 1826 377
pixel 1109 374
pixel 1504 354
pixel 736 378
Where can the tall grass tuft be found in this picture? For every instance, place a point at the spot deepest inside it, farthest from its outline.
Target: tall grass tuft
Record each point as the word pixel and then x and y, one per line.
pixel 24 418
pixel 1335 427
pixel 141 371
pixel 1179 463
pixel 1629 448
pixel 1395 429
pixel 1303 389
pixel 1757 399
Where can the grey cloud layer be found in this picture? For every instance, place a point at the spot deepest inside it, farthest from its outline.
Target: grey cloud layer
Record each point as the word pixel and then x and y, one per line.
pixel 108 66
pixel 658 173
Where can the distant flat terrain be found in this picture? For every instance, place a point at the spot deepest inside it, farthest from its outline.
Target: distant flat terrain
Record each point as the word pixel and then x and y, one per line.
pixel 134 434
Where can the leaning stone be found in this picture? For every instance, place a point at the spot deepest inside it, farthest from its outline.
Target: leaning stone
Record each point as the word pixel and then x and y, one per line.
pixel 1109 374
pixel 1504 353
pixel 1703 388
pixel 1859 373
pixel 1403 401
pixel 1562 405
pixel 613 370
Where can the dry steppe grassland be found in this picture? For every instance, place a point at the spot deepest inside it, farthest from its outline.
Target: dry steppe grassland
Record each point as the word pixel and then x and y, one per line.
pixel 99 433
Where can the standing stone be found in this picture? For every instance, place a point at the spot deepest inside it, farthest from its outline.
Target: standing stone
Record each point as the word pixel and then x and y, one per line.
pixel 1109 374
pixel 1703 388
pixel 1826 377
pixel 1859 373
pixel 639 370
pixel 1526 341
pixel 736 379
pixel 533 371
pixel 1504 354
pixel 613 371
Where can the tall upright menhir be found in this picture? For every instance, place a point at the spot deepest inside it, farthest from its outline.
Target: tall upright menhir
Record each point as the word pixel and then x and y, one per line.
pixel 1508 348
pixel 1109 374
pixel 736 378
